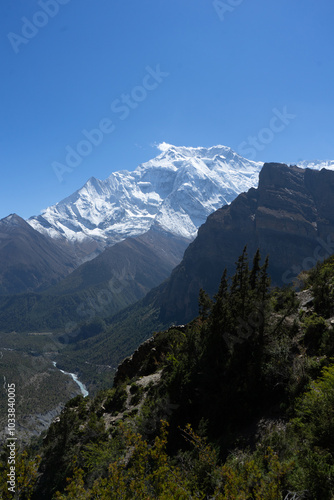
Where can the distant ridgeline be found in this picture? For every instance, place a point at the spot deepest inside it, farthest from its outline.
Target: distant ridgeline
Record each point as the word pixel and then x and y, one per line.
pixel 143 219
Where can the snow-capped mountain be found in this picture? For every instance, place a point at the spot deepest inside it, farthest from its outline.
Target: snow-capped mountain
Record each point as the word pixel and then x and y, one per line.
pixel 175 191
pixel 317 164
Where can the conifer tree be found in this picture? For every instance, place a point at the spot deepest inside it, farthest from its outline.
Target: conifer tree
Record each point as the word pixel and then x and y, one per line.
pixel 264 281
pixel 223 287
pixel 204 304
pixel 240 286
pixel 255 270
pixel 220 314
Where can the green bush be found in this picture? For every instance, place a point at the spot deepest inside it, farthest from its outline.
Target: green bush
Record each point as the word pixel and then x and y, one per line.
pixel 314 326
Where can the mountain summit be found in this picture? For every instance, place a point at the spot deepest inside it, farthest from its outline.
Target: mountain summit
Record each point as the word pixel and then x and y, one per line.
pixel 175 191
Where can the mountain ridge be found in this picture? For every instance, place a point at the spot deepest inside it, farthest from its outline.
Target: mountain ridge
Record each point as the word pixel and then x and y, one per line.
pixel 28 259
pixel 175 191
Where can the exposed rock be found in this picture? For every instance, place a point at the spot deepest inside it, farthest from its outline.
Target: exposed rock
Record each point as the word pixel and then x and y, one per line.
pixel 290 217
pixel 132 365
pixel 145 360
pixel 306 299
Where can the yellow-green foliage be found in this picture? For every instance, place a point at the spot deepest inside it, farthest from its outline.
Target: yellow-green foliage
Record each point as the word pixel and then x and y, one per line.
pixel 241 375
pixel 315 412
pixel 25 477
pixel 144 471
pixel 254 479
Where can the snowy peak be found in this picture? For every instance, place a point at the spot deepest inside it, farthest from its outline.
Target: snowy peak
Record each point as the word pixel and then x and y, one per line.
pixel 317 164
pixel 175 192
pixel 172 154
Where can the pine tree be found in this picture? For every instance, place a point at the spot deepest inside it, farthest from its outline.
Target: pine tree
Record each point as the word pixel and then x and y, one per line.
pixel 223 287
pixel 220 314
pixel 255 270
pixel 240 286
pixel 204 304
pixel 264 281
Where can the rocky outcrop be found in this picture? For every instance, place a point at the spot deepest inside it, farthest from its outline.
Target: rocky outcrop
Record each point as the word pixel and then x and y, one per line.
pixel 145 360
pixel 132 365
pixel 290 217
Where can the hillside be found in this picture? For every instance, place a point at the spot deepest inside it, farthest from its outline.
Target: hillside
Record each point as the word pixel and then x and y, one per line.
pixel 121 275
pixel 238 388
pixel 136 265
pixel 28 260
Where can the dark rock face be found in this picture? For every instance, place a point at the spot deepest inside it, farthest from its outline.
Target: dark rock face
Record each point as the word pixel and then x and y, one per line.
pixel 290 217
pixel 132 365
pixel 29 260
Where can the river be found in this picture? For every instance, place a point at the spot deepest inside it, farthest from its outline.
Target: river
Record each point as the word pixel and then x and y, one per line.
pixel 82 387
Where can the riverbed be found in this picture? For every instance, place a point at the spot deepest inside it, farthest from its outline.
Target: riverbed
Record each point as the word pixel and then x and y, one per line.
pixel 82 386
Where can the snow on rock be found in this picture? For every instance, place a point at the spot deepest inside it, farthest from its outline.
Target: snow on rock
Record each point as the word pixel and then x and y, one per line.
pixel 175 191
pixel 317 164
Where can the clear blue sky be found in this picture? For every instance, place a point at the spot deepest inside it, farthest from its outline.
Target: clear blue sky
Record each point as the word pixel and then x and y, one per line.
pixel 187 72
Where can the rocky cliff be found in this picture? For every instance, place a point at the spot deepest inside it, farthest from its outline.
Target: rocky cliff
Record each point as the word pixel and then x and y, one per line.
pixel 290 217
